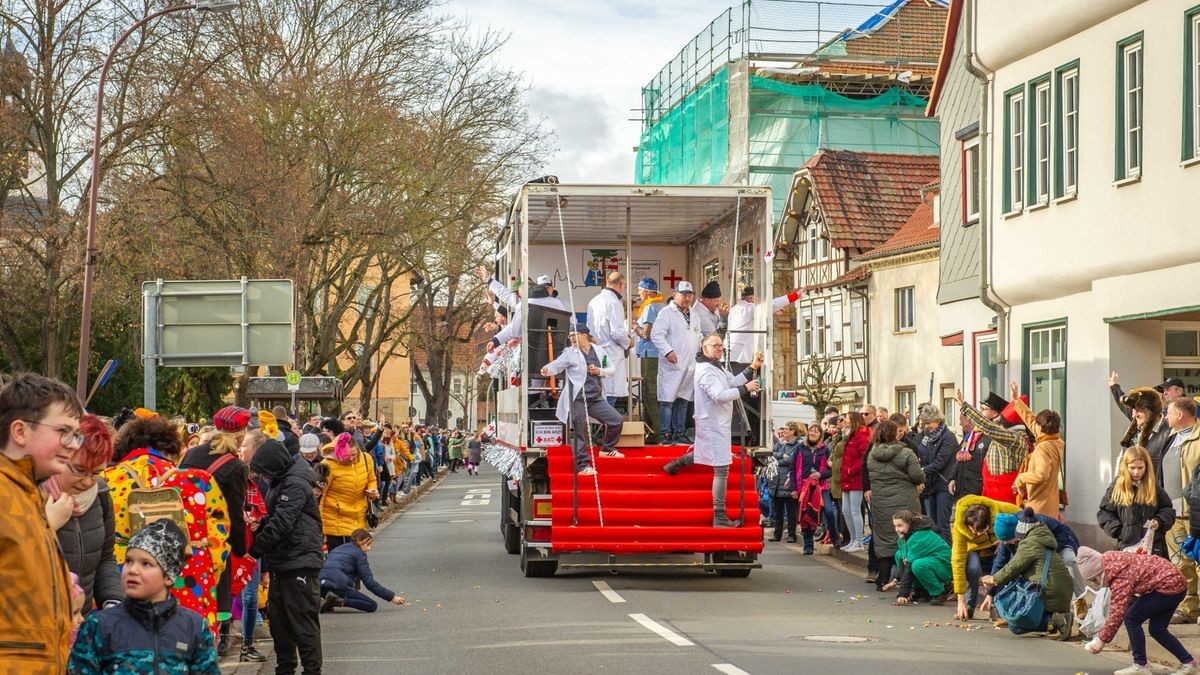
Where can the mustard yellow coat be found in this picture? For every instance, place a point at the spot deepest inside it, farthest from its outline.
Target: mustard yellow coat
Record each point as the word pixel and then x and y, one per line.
pixel 344 504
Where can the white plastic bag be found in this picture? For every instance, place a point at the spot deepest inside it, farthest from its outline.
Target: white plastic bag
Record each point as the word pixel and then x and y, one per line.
pixel 1146 545
pixel 1097 614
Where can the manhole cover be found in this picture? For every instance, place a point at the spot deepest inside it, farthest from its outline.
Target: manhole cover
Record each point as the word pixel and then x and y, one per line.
pixel 841 639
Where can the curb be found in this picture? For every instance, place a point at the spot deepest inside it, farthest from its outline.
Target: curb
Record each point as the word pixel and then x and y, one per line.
pixel 231 666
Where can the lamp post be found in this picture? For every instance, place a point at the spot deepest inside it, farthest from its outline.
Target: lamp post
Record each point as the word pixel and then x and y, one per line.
pixel 89 265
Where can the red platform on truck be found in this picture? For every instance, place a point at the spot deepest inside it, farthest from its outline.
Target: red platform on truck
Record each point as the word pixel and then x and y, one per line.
pixel 647 510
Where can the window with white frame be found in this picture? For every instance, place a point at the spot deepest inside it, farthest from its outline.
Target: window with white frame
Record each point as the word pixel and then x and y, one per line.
pixel 745 267
pixel 819 327
pixel 905 313
pixel 949 407
pixel 806 333
pixel 1181 353
pixel 1014 153
pixel 971 179
pixel 1129 108
pixel 837 329
pixel 987 367
pixel 712 271
pixel 1191 85
pixel 1066 140
pixel 906 398
pixel 1040 178
pixel 858 343
pixel 815 248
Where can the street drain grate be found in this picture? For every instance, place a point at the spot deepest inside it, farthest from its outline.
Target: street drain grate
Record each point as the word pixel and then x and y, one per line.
pixel 837 639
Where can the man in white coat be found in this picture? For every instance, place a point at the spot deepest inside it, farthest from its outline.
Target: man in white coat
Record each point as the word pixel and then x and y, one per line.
pixel 584 398
pixel 716 391
pixel 742 346
pixel 606 320
pixel 676 336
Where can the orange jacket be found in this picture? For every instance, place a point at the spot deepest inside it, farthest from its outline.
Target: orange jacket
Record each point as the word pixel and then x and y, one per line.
pixel 35 590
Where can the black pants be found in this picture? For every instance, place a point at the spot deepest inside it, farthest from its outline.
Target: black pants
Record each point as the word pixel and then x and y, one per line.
pixel 333 541
pixel 295 606
pixel 785 511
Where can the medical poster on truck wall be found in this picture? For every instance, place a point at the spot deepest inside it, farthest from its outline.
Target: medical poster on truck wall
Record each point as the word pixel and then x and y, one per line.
pixel 665 264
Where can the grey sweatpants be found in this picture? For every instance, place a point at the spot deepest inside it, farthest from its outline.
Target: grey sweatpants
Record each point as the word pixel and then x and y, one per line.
pixel 603 413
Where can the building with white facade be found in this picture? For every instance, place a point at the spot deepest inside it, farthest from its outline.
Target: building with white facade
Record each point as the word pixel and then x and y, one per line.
pixel 909 365
pixel 1089 135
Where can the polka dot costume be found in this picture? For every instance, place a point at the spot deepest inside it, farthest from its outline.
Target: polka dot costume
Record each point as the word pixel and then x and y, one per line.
pixel 207 525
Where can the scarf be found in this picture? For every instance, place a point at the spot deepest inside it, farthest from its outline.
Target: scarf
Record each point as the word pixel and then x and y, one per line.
pixel 650 300
pixel 83 501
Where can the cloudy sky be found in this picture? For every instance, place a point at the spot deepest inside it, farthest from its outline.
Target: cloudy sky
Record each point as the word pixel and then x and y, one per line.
pixel 586 62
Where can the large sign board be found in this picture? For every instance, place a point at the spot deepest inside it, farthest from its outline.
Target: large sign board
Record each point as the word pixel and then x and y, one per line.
pixel 239 322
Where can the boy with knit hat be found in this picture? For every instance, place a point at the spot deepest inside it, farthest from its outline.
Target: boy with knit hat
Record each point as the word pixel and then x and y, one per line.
pixel 148 630
pixel 1141 588
pixel 1035 549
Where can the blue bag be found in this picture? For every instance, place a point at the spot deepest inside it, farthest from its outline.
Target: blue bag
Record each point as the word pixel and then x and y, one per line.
pixel 1020 601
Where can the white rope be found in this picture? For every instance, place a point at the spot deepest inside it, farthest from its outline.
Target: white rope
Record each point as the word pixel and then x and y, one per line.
pixel 562 232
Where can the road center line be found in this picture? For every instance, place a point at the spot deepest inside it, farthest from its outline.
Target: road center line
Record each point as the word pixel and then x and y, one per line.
pixel 729 669
pixel 607 591
pixel 662 631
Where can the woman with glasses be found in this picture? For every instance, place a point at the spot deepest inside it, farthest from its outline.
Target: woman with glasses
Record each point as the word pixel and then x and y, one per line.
pixel 87 536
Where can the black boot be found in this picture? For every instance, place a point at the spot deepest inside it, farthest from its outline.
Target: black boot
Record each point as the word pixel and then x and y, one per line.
pixel 675 465
pixel 223 640
pixel 249 653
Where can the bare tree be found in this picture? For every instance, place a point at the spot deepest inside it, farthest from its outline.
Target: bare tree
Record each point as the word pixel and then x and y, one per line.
pixel 819 384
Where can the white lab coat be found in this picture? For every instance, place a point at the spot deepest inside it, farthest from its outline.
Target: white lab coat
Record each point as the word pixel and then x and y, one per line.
pixel 512 301
pixel 741 345
pixel 783 301
pixel 574 363
pixel 710 322
pixel 716 390
pixel 606 320
pixel 673 333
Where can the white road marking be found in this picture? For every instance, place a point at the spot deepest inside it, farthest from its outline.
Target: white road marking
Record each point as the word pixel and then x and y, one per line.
pixel 475 502
pixel 662 631
pixel 729 669
pixel 607 592
pixel 479 490
pixel 462 521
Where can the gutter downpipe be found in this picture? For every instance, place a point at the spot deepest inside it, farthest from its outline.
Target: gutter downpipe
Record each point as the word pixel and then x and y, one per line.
pixel 987 293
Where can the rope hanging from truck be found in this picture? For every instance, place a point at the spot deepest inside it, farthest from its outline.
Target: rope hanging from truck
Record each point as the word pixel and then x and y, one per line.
pixel 562 232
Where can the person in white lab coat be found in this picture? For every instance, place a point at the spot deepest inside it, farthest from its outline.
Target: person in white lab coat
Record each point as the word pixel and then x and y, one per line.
pixel 742 346
pixel 583 397
pixel 676 336
pixel 709 310
pixel 716 391
pixel 606 319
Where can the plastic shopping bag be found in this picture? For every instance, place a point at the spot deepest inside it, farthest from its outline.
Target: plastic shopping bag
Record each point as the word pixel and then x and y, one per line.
pixel 1097 613
pixel 1146 545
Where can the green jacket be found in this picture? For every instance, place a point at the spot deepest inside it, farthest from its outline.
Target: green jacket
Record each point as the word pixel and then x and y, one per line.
pixel 1027 563
pixel 835 464
pixel 455 447
pixel 923 543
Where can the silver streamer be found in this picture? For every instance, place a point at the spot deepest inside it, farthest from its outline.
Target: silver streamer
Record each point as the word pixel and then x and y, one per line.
pixel 506 460
pixel 506 362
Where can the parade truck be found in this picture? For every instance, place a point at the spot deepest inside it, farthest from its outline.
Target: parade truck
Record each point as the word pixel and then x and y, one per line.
pixel 631 514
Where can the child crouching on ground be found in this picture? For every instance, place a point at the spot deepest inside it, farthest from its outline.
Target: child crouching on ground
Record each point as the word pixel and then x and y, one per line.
pixel 148 630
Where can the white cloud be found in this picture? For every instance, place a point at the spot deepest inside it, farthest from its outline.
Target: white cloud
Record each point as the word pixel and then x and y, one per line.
pixel 586 62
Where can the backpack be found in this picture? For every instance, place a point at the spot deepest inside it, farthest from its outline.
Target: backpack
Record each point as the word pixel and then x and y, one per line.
pixel 148 504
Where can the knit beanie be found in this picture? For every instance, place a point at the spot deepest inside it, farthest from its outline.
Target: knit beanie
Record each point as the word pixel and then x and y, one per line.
pixel 1089 562
pixel 310 443
pixel 1026 522
pixel 270 425
pixel 711 290
pixel 165 542
pixel 1006 526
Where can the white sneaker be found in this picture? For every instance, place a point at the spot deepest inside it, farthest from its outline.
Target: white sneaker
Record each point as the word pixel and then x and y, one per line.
pixel 853 547
pixel 587 471
pixel 1187 669
pixel 1134 669
pixel 614 454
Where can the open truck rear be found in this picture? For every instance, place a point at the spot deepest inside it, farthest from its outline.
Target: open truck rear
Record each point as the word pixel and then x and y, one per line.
pixel 631 514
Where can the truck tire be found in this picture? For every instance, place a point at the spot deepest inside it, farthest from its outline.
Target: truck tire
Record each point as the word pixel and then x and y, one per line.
pixel 734 572
pixel 536 568
pixel 512 537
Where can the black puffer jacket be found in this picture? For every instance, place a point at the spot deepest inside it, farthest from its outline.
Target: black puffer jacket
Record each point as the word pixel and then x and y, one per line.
pixel 87 546
pixel 783 484
pixel 968 475
pixel 937 452
pixel 231 478
pixel 290 440
pixel 290 538
pixel 1126 523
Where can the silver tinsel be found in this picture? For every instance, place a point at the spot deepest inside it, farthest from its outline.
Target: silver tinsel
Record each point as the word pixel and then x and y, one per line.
pixel 770 468
pixel 506 362
pixel 506 460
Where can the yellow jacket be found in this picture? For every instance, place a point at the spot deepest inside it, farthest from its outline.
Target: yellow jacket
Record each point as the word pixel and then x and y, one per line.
pixel 403 455
pixel 1039 481
pixel 963 541
pixel 344 504
pixel 35 625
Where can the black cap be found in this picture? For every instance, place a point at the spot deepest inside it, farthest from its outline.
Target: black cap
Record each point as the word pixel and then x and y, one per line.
pixel 995 402
pixel 582 328
pixel 747 291
pixel 1171 382
pixel 711 290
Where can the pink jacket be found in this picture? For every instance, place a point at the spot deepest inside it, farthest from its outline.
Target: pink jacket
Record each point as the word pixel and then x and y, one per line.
pixel 1131 574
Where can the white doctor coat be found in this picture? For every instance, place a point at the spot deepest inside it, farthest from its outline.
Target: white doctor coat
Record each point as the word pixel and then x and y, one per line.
pixel 741 345
pixel 716 391
pixel 574 363
pixel 674 333
pixel 606 321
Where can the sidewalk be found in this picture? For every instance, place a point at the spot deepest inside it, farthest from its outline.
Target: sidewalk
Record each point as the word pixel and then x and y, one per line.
pixel 230 664
pixel 1188 634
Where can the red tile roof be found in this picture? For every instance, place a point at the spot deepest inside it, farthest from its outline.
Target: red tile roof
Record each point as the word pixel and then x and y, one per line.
pixel 918 233
pixel 848 279
pixel 867 196
pixel 911 35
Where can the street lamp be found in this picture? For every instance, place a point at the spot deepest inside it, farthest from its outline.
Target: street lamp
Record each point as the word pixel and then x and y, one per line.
pixel 89 265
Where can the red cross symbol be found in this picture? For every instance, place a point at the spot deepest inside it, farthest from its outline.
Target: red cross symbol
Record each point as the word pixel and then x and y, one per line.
pixel 672 277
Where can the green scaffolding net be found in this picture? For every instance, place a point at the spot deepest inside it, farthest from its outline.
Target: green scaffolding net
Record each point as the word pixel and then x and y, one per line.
pixel 736 128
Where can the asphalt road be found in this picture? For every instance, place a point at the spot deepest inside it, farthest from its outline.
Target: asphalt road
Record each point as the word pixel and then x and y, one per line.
pixel 471 611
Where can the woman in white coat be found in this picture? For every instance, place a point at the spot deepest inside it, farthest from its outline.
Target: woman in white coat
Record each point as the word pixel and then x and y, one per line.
pixel 716 391
pixel 583 397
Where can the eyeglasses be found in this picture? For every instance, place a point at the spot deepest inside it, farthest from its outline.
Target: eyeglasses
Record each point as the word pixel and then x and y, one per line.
pixel 80 472
pixel 70 438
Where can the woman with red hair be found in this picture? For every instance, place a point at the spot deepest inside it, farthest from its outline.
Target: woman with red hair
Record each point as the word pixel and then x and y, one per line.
pixel 86 538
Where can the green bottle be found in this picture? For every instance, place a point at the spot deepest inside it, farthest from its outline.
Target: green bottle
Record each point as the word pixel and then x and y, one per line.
pixel 604 361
